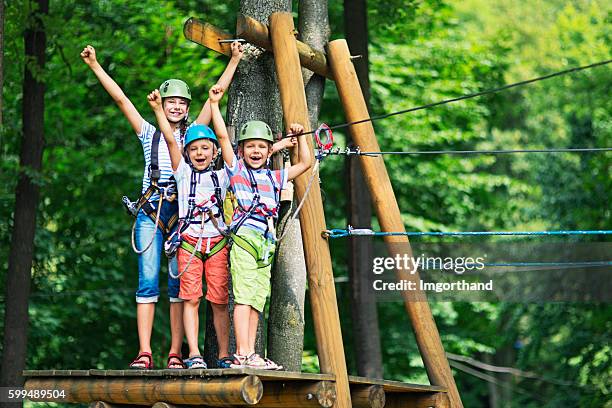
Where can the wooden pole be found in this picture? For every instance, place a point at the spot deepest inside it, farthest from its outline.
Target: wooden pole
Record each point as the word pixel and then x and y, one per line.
pixel 368 396
pixel 258 34
pixel 245 390
pixel 389 216
pixel 400 400
pixel 207 35
pixel 318 259
pixel 298 394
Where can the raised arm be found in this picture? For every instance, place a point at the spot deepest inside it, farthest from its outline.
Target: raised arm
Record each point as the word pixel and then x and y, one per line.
pixel 285 143
pixel 155 101
pixel 214 96
pixel 89 57
pixel 304 158
pixel 224 81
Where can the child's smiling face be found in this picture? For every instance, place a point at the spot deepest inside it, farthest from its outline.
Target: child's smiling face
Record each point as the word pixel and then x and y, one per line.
pixel 175 108
pixel 255 152
pixel 201 153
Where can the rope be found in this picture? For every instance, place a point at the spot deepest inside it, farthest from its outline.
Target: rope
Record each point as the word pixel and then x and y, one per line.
pixel 355 151
pixel 468 96
pixel 340 233
pixel 315 170
pixel 159 206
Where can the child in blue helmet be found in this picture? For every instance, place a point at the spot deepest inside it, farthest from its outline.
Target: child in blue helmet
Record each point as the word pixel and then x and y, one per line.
pixel 202 230
pixel 151 226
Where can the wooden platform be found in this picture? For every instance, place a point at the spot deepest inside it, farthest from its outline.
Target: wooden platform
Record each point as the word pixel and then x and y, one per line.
pixel 226 387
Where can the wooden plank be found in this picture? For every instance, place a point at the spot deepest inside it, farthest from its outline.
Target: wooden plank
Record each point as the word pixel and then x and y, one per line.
pixel 263 374
pixel 389 216
pixel 258 34
pixel 316 250
pixel 396 386
pixel 207 35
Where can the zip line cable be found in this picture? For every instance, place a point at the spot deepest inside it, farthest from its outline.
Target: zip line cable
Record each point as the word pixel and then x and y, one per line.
pixel 468 96
pixel 355 151
pixel 350 231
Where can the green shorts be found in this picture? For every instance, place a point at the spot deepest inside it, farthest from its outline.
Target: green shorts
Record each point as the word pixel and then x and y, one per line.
pixel 250 264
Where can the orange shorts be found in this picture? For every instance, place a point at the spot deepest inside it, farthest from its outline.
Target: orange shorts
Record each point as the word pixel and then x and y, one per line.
pixel 216 268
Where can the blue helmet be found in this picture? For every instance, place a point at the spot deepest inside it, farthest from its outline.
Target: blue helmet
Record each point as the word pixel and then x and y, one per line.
pixel 197 132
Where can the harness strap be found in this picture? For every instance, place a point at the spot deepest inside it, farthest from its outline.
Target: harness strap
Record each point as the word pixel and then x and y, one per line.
pixel 154 172
pixel 203 256
pixel 246 245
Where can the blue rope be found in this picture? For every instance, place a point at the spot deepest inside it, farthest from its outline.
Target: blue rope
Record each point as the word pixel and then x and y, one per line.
pixel 340 233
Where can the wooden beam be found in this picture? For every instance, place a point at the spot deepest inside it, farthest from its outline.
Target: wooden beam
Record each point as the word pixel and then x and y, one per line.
pixel 399 400
pixel 104 404
pixel 245 390
pixel 318 259
pixel 367 396
pixel 258 34
pixel 298 394
pixel 390 218
pixel 207 35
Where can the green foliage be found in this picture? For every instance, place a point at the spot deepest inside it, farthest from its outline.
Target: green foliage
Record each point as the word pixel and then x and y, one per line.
pixel 82 310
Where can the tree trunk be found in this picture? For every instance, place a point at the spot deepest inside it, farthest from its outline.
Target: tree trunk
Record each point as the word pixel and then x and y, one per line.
pixel 1 65
pixel 26 201
pixel 363 303
pixel 253 95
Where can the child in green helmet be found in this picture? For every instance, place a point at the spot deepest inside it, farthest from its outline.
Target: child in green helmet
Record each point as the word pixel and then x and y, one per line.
pixel 257 189
pixel 153 226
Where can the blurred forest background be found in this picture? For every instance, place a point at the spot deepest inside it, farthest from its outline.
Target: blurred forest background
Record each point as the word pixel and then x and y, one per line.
pixel 81 306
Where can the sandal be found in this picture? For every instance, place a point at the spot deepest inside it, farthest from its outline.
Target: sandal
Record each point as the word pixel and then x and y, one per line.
pixel 256 362
pixel 195 362
pixel 271 365
pixel 139 364
pixel 225 362
pixel 175 362
pixel 239 361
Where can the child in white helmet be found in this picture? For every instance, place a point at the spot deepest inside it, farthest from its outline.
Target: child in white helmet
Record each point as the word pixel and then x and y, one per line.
pixel 154 224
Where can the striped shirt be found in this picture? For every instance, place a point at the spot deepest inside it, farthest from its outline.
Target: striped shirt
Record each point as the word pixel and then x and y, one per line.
pixel 165 166
pixel 241 185
pixel 204 192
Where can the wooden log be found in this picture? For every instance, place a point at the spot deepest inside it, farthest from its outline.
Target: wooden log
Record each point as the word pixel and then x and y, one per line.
pixel 258 34
pixel 389 216
pixel 147 391
pixel 104 404
pixel 435 400
pixel 367 396
pixel 318 259
pixel 298 394
pixel 207 35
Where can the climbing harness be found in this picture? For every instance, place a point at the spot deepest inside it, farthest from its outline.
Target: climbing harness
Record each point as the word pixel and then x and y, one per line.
pixel 167 191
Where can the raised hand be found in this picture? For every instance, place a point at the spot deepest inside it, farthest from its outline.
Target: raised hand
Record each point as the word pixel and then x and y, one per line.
pixel 215 94
pixel 155 100
pixel 237 50
pixel 89 55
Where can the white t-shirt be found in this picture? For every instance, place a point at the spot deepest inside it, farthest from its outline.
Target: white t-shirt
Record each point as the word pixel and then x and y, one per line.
pixel 204 195
pixel 163 158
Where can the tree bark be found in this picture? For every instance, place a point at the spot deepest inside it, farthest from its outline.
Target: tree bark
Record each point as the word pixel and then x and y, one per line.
pixel 1 64
pixel 26 201
pixel 253 95
pixel 363 303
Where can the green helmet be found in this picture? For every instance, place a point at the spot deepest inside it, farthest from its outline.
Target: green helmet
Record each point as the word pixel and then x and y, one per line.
pixel 255 129
pixel 174 87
